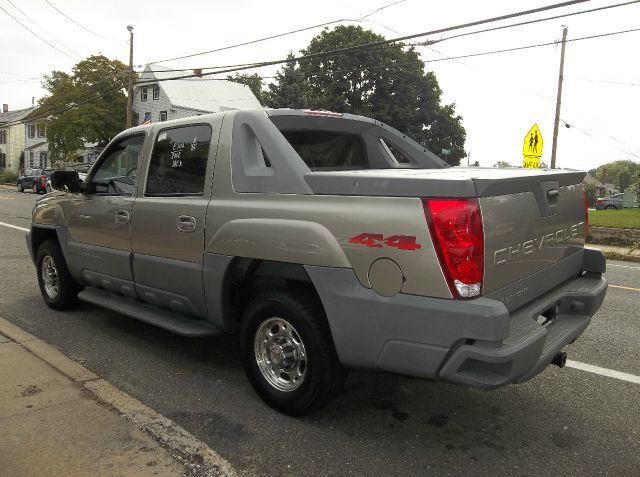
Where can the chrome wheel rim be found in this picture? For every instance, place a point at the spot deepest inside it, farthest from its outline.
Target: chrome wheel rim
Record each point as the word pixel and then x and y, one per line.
pixel 280 354
pixel 49 274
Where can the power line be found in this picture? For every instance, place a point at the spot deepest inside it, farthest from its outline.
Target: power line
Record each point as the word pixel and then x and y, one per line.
pixel 43 30
pixel 538 20
pixel 76 23
pixel 278 35
pixel 518 48
pixel 485 53
pixel 36 35
pixel 395 40
pixel 600 141
pixel 250 42
pixel 384 7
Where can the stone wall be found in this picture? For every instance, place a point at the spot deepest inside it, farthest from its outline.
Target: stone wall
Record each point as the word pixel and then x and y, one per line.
pixel 611 236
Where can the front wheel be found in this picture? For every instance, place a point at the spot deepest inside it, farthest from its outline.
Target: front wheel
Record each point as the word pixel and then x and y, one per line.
pixel 20 187
pixel 58 288
pixel 287 351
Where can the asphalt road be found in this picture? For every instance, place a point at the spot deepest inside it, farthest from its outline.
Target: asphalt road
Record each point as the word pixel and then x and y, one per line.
pixel 563 422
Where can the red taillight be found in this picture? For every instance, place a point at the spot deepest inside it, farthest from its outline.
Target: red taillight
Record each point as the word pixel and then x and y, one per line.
pixel 599 200
pixel 456 231
pixel 586 213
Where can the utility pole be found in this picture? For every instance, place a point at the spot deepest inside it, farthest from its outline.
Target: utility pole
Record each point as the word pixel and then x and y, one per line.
pixel 130 88
pixel 556 125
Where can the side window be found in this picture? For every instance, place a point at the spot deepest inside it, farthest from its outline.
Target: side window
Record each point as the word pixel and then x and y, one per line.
pixel 179 162
pixel 116 172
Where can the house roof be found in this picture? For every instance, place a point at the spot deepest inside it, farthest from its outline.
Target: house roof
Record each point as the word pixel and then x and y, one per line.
pixel 202 94
pixel 589 179
pixel 35 146
pixel 17 115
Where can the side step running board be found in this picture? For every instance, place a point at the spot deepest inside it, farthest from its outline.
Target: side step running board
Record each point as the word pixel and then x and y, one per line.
pixel 155 316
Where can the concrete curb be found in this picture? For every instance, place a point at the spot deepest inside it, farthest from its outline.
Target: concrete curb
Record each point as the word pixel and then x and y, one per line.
pixel 194 454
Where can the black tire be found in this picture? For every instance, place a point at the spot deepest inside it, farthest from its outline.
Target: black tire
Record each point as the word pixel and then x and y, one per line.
pixel 20 187
pixel 67 289
pixel 323 376
pixel 610 207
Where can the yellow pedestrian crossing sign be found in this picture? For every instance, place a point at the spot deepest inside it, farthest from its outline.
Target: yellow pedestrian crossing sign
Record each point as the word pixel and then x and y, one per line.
pixel 532 147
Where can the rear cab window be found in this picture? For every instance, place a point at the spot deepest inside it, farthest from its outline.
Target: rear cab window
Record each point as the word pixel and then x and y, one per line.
pixel 328 150
pixel 179 162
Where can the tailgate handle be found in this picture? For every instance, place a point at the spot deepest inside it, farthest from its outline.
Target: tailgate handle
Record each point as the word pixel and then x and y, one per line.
pixel 553 195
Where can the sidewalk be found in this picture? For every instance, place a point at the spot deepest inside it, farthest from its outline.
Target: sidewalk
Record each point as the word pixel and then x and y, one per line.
pixel 617 253
pixel 59 419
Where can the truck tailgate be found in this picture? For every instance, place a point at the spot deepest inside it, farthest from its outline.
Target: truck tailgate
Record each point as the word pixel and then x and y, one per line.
pixel 532 218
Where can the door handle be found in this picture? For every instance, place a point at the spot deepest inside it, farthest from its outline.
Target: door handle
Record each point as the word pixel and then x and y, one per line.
pixel 122 217
pixel 186 223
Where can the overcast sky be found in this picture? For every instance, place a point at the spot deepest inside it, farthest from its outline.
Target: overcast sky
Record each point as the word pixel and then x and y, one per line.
pixel 500 96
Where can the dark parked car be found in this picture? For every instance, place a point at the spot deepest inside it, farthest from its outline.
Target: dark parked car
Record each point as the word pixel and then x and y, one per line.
pixel 609 203
pixel 38 180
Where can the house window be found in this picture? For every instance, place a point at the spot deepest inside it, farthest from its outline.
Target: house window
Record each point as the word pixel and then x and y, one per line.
pixel 147 118
pixel 143 94
pixel 32 159
pixel 41 130
pixel 156 92
pixel 31 131
pixel 43 159
pixel 3 160
pixel 3 136
pixel 163 115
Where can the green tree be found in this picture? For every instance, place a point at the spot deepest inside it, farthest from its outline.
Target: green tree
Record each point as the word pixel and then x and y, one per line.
pixel 592 194
pixel 635 187
pixel 619 173
pixel 86 106
pixel 255 83
pixel 387 83
pixel 291 89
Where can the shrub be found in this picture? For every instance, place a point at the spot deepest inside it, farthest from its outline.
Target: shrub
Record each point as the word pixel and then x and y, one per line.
pixel 8 177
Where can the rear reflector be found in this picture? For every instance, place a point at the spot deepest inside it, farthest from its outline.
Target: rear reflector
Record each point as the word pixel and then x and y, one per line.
pixel 458 237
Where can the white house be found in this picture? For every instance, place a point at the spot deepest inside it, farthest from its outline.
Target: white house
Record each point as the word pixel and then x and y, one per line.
pixel 36 148
pixel 12 137
pixel 162 100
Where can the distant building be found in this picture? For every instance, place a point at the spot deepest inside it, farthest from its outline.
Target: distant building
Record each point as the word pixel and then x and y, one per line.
pixel 155 100
pixel 12 138
pixel 36 148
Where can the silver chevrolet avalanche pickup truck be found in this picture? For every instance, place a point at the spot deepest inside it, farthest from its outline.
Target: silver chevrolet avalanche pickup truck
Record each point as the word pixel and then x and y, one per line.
pixel 326 242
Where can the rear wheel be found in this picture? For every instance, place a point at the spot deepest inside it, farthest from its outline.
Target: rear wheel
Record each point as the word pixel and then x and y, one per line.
pixel 610 207
pixel 288 353
pixel 58 288
pixel 20 187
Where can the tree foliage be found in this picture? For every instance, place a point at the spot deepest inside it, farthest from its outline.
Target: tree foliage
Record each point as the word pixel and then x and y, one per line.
pixel 291 89
pixel 387 83
pixel 255 83
pixel 502 164
pixel 592 194
pixel 619 173
pixel 86 106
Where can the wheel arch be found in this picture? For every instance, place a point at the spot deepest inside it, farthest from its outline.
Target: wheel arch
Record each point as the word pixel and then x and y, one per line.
pixel 231 281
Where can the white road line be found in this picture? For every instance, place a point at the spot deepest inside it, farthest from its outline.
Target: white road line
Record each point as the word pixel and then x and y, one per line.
pixel 621 266
pixel 14 227
pixel 610 373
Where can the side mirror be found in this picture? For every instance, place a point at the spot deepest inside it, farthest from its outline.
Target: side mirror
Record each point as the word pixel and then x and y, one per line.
pixel 67 181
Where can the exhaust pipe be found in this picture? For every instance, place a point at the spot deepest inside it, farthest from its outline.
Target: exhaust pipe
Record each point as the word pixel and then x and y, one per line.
pixel 560 360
